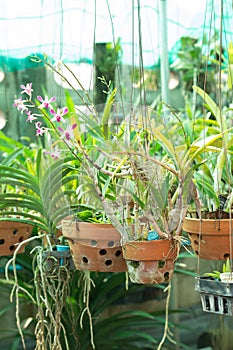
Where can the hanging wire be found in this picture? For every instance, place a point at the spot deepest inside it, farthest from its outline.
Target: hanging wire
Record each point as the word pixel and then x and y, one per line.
pixel 117 67
pixel 61 27
pixel 210 10
pixel 224 142
pixel 141 66
pixel 133 54
pixel 221 119
pixel 203 110
pixel 228 34
pixel 144 109
pixel 90 87
pixel 94 39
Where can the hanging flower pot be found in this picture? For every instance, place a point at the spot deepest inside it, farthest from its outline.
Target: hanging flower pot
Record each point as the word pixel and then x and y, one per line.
pixel 151 261
pixel 11 234
pixel 216 296
pixel 94 246
pixel 210 238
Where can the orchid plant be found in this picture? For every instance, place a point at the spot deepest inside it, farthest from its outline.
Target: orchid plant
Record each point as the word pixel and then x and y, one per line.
pixel 117 181
pixel 138 168
pixel 131 185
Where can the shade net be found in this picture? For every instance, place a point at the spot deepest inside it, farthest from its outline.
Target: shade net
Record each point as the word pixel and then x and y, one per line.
pixel 69 29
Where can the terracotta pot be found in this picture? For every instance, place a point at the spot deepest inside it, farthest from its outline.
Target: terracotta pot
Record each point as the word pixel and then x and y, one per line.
pixel 12 233
pixel 150 261
pixel 210 238
pixel 94 246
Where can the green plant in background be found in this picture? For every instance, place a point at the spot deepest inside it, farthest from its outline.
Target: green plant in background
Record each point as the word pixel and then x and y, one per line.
pixel 40 198
pixel 132 328
pixel 194 64
pixel 214 179
pixel 111 57
pixel 230 66
pixel 39 191
pixel 28 196
pixel 226 267
pixel 107 61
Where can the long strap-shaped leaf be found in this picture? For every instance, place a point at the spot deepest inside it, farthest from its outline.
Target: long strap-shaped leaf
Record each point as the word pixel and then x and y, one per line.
pixel 212 106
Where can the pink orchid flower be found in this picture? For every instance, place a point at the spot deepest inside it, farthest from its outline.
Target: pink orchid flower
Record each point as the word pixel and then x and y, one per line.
pixel 56 154
pixel 46 102
pixel 68 132
pixel 30 117
pixel 39 129
pixel 27 89
pixel 19 104
pixel 58 116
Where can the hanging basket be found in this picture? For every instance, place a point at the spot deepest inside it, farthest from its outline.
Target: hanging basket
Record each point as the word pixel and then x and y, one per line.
pixel 151 261
pixel 94 246
pixel 216 296
pixel 11 234
pixel 210 238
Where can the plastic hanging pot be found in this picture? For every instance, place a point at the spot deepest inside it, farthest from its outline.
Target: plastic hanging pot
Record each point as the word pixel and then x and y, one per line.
pixel 216 296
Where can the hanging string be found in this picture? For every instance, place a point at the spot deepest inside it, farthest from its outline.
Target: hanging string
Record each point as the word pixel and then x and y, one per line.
pixel 224 141
pixel 141 66
pixel 228 37
pixel 210 10
pixel 220 62
pixel 222 127
pixel 145 110
pixel 133 55
pixel 61 28
pixel 61 39
pixel 94 39
pixel 117 67
pixel 83 25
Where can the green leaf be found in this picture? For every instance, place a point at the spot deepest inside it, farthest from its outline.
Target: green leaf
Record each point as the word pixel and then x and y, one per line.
pixel 38 163
pixel 212 107
pixel 12 156
pixel 107 113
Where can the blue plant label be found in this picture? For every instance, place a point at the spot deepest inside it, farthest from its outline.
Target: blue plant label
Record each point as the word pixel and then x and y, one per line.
pixel 152 236
pixel 185 242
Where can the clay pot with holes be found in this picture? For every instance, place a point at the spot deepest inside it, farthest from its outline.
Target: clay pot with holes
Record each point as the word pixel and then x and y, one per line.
pixel 211 239
pixel 151 262
pixel 12 233
pixel 94 246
